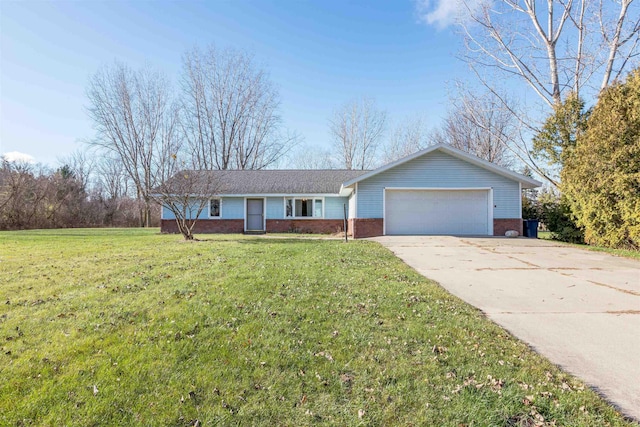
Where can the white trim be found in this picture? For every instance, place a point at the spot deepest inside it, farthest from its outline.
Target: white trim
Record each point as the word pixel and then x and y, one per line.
pixel 297 195
pixel 259 195
pixel 313 207
pixel 344 191
pixel 439 188
pixel 489 191
pixel 490 212
pixel 355 214
pixel 529 182
pixel 264 215
pixel 384 210
pixel 209 208
pixel 520 200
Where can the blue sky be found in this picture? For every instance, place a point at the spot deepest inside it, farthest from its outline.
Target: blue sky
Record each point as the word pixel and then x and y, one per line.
pixel 320 54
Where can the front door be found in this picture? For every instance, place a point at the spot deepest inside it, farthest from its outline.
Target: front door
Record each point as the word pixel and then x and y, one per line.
pixel 255 212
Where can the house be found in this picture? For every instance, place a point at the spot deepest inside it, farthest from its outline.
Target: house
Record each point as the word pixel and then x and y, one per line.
pixel 439 190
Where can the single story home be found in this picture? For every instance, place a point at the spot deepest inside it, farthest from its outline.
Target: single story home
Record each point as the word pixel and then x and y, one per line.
pixel 439 190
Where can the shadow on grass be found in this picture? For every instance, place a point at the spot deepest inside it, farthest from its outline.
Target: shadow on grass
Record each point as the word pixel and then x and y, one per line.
pixel 248 239
pixel 257 241
pixel 86 232
pixel 285 241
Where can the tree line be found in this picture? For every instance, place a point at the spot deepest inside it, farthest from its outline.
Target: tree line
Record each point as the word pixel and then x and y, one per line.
pixel 82 192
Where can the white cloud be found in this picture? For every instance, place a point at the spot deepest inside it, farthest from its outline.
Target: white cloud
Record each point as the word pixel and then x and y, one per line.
pixel 442 13
pixel 16 156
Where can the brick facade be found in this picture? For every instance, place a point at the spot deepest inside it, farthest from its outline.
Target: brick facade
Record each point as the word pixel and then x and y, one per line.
pixel 358 227
pixel 365 227
pixel 501 225
pixel 320 226
pixel 206 226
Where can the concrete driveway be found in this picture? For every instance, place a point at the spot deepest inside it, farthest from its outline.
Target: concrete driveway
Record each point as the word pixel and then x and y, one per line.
pixel 579 308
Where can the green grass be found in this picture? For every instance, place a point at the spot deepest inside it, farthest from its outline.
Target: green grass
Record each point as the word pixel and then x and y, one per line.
pixel 626 253
pixel 130 327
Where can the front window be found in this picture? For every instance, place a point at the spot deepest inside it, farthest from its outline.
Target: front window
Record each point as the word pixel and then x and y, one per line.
pixel 304 208
pixel 214 208
pixel 317 208
pixel 289 207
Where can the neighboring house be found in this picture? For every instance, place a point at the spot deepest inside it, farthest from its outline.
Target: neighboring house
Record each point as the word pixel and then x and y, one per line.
pixel 439 190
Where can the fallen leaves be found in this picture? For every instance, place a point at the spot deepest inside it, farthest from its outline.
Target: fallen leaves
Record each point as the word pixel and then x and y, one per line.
pixel 437 349
pixel 346 378
pixel 324 354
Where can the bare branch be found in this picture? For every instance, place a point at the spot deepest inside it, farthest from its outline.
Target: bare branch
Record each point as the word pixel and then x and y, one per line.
pixel 136 121
pixel 357 128
pixel 554 50
pixel 480 125
pixel 230 114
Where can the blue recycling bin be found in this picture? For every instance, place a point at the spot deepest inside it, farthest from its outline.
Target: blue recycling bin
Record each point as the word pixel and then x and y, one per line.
pixel 531 228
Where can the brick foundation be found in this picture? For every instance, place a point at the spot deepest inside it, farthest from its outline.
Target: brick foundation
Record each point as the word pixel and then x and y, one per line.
pixel 502 225
pixel 358 227
pixel 320 226
pixel 206 226
pixel 365 227
pixel 203 226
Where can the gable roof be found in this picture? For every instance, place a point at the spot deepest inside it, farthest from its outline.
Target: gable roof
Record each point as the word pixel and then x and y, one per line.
pixel 276 181
pixel 445 148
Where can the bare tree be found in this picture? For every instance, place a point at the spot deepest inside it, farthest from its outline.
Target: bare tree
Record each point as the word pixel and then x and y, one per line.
pixel 407 137
pixel 565 45
pixel 311 157
pixel 34 196
pixel 112 189
pixel 356 129
pixel 111 178
pixel 186 195
pixel 82 163
pixel 230 111
pixel 136 120
pixel 479 124
pixel 556 48
pixel 20 194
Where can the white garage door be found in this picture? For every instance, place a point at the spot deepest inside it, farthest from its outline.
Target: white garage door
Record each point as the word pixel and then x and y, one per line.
pixel 454 212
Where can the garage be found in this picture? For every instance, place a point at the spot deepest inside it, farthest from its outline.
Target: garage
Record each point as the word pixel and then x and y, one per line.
pixel 448 211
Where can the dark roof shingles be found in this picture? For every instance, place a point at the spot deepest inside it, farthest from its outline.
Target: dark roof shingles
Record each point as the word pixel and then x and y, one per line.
pixel 280 181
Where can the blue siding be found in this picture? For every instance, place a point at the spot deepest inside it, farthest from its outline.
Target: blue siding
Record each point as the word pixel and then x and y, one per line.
pixel 232 208
pixel 333 207
pixel 275 207
pixel 438 170
pixel 167 214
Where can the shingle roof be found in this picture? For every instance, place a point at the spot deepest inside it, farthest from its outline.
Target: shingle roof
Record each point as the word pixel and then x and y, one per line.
pixel 279 181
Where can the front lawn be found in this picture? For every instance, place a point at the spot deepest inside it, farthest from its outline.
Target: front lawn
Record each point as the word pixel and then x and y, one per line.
pixel 130 327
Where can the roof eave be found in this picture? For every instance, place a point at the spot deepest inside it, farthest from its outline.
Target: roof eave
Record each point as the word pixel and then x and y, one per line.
pixel 345 191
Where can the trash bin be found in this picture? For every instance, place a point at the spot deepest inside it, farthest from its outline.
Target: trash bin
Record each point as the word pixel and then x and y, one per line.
pixel 532 228
pixel 525 228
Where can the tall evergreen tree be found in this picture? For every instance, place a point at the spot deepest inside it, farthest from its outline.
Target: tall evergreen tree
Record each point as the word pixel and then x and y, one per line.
pixel 601 179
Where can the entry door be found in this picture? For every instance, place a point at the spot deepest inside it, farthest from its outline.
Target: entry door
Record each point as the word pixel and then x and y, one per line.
pixel 255 212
